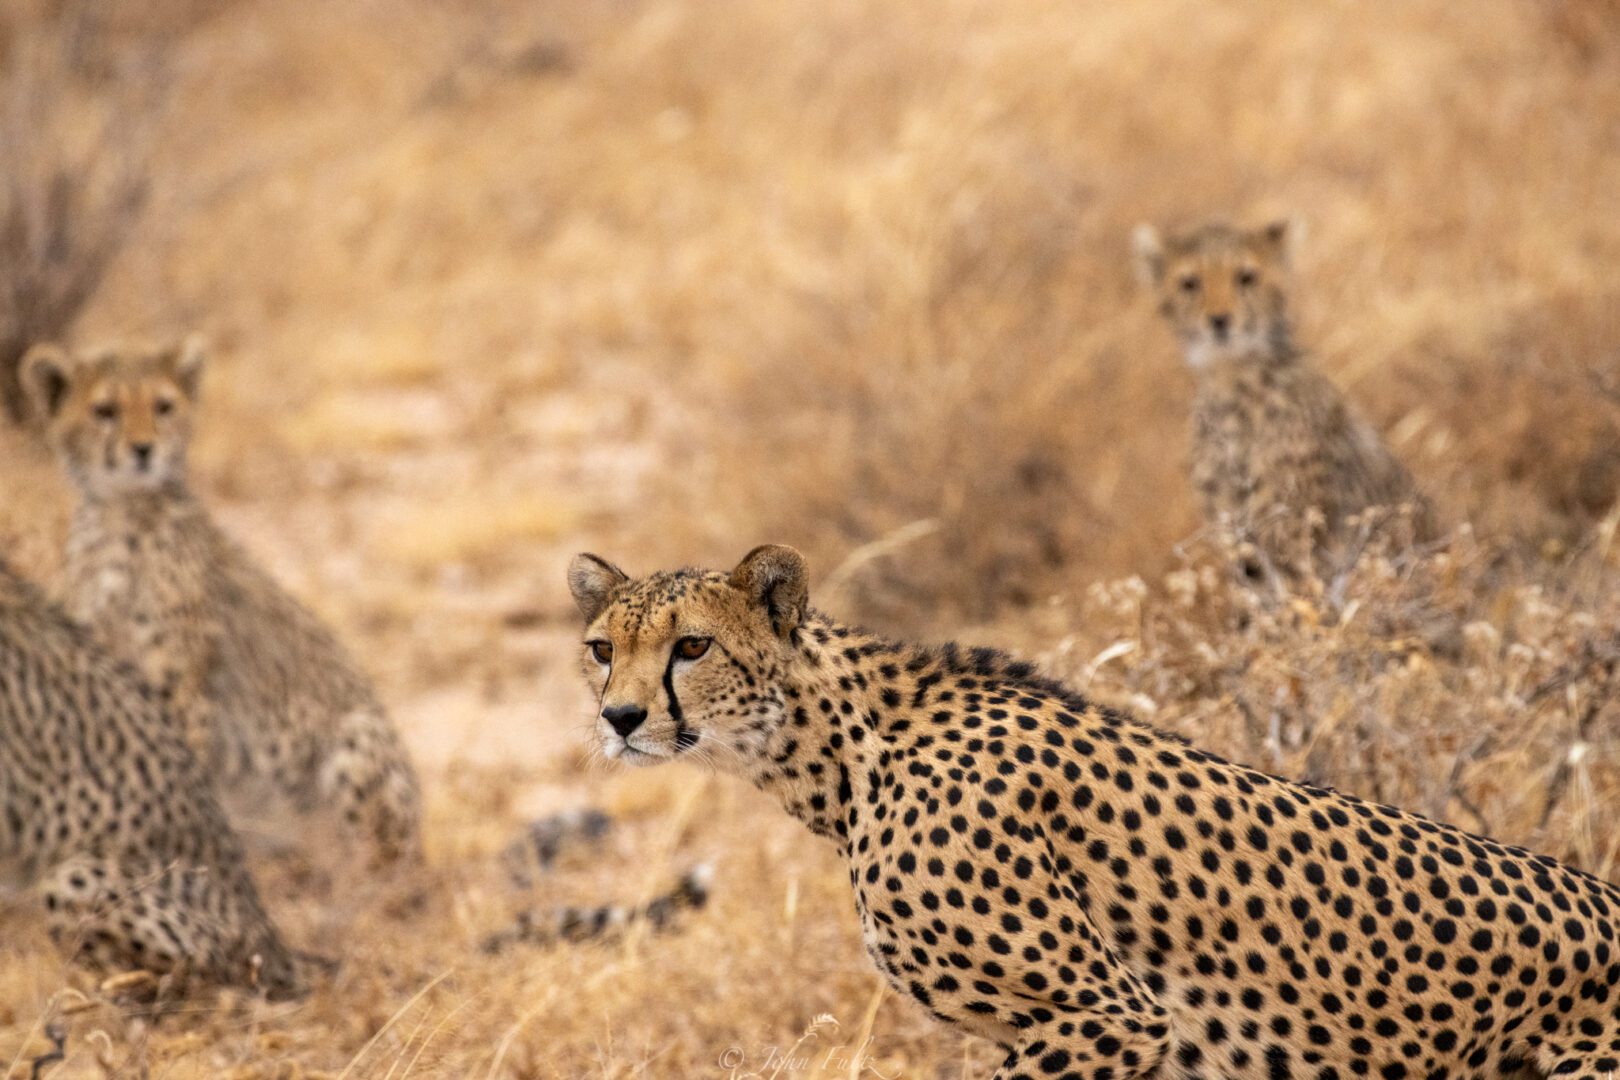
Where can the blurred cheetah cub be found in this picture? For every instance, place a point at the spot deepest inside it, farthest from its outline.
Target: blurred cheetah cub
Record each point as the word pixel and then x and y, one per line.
pixel 105 814
pixel 1273 440
pixel 268 696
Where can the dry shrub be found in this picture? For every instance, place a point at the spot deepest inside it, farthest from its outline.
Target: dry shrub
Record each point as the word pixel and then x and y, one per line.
pixel 1473 681
pixel 1590 29
pixel 901 425
pixel 1537 403
pixel 76 123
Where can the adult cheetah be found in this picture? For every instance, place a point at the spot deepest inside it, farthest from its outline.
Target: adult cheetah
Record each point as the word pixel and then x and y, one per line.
pixel 105 813
pixel 1098 897
pixel 270 700
pixel 1274 442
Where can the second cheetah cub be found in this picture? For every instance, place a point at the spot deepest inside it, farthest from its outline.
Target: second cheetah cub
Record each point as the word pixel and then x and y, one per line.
pixel 268 696
pixel 1279 458
pixel 104 813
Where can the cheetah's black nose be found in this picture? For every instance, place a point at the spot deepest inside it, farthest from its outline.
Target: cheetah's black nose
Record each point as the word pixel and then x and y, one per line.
pixel 624 718
pixel 142 452
pixel 1220 324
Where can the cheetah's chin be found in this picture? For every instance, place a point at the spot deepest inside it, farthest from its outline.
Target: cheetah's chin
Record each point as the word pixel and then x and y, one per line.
pixel 632 756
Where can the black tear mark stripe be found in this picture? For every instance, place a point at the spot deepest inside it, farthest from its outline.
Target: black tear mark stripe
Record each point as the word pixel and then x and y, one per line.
pixel 685 738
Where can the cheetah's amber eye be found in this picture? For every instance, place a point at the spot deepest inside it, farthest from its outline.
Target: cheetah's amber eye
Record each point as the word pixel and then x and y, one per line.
pixel 106 410
pixel 690 648
pixel 1189 283
pixel 163 406
pixel 1246 278
pixel 602 650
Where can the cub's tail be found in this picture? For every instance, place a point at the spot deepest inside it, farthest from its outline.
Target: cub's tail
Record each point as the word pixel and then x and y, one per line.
pixel 545 840
pixel 573 925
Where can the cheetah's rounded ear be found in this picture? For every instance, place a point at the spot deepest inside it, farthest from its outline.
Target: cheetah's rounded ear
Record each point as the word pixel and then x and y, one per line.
pixel 1147 253
pixel 1281 239
pixel 189 361
pixel 592 580
pixel 47 374
pixel 777 578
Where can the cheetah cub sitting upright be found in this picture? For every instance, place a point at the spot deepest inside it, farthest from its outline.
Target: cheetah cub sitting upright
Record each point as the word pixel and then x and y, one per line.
pixel 1274 443
pixel 269 698
pixel 106 814
pixel 1098 897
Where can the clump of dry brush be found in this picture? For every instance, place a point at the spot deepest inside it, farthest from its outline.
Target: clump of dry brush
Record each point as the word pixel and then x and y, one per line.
pixel 77 113
pixel 1471 680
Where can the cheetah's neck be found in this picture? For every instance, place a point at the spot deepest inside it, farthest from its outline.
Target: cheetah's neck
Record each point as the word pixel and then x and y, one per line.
pixel 834 722
pixel 136 511
pixel 855 705
pixel 1261 367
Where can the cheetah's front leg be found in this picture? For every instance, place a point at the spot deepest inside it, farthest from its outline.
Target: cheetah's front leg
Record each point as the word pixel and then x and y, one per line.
pixel 1083 1046
pixel 365 775
pixel 1029 971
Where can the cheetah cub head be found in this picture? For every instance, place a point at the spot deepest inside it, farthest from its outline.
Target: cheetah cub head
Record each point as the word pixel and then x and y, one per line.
pixel 1220 288
pixel 118 419
pixel 688 662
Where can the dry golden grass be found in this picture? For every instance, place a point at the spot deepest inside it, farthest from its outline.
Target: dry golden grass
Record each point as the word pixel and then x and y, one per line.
pixel 491 283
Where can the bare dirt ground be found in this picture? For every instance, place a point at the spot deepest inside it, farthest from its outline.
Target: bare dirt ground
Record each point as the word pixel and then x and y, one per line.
pixel 488 284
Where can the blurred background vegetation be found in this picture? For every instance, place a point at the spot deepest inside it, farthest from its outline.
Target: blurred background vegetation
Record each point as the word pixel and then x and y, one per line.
pixel 488 283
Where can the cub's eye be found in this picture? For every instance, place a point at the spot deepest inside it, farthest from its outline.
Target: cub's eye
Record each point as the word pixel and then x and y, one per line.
pixel 106 410
pixel 1189 284
pixel 1247 277
pixel 690 648
pixel 163 406
pixel 602 650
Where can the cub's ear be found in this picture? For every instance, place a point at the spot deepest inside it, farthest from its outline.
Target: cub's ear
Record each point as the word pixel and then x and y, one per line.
pixel 189 360
pixel 1280 239
pixel 1147 254
pixel 776 578
pixel 592 580
pixel 47 375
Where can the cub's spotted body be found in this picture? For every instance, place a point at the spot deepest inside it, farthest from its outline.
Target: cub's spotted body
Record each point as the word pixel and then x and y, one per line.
pixel 1273 440
pixel 104 811
pixel 268 696
pixel 1098 897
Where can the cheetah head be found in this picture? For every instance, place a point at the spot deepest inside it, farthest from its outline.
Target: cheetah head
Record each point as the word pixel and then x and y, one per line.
pixel 687 661
pixel 1220 288
pixel 118 419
